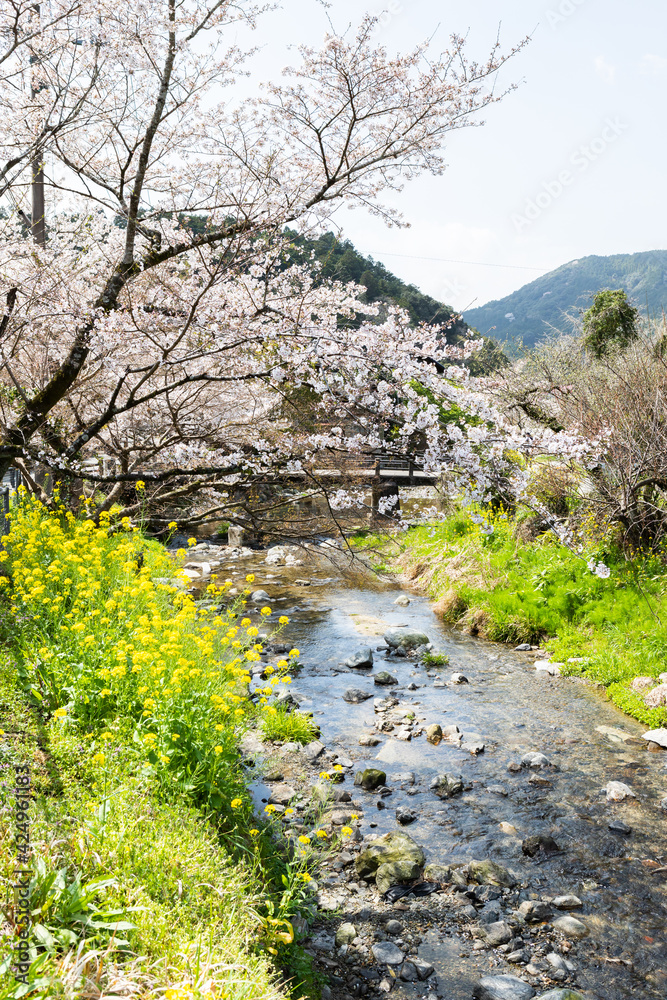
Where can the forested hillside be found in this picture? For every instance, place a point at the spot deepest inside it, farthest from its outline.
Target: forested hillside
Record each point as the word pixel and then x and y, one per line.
pixel 534 311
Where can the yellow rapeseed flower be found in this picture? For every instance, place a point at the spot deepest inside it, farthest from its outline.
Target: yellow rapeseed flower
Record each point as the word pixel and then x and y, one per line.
pixel 283 620
pixel 60 713
pixel 236 803
pixel 250 578
pixel 304 840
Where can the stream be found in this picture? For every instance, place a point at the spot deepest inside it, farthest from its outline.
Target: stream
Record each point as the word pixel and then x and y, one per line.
pixel 617 873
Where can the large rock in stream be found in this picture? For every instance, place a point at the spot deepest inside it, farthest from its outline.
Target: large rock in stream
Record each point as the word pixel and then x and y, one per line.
pixel 561 995
pixel 393 858
pixel 503 988
pixel 447 785
pixel 491 873
pixel 406 638
pixel 370 779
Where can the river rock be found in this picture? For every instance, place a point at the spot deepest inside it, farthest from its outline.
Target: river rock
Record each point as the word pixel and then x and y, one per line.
pixel 313 750
pixel 370 779
pixel 639 684
pixel 451 732
pixel 387 953
pixel 434 733
pixel 547 667
pixel 535 760
pixel 617 826
pixel 435 872
pixel 354 696
pixel 658 736
pixel 491 873
pixel 281 795
pixel 567 902
pixel 497 933
pixel 385 679
pixel 397 846
pixel 617 791
pixel 571 927
pixel 656 697
pixel 405 638
pixel 539 781
pixel 424 969
pixel 524 647
pixel 259 597
pixel 663 805
pixel 458 678
pixel 503 988
pixel 346 934
pixel 395 873
pixel 534 911
pixel 341 817
pixel 362 659
pixel 405 816
pixel 368 740
pixel 447 785
pixel 539 844
pixel 561 995
pixel 402 601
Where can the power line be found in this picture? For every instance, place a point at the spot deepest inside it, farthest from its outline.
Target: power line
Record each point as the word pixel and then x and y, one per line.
pixel 446 260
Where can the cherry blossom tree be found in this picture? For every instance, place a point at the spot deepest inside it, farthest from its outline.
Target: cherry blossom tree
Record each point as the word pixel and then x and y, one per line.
pixel 170 365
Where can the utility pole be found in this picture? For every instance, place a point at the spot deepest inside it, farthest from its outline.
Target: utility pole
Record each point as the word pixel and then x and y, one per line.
pixel 38 221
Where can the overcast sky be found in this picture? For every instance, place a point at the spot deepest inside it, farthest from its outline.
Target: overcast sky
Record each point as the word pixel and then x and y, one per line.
pixel 591 103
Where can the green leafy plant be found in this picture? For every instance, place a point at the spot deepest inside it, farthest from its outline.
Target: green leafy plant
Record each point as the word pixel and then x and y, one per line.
pixel 434 659
pixel 283 726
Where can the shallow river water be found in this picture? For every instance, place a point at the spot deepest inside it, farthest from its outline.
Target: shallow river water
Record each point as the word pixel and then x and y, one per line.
pixel 619 877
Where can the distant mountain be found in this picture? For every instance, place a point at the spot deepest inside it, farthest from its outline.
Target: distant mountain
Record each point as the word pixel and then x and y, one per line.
pixel 531 313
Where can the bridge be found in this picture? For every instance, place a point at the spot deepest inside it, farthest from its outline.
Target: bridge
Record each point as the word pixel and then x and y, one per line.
pixel 367 469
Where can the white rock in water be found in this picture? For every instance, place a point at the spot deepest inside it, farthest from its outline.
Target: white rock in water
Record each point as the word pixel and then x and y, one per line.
pixel 387 953
pixel 459 679
pixel 617 791
pixel 402 601
pixel 546 666
pixel 658 736
pixel 571 927
pixel 568 902
pixel 535 759
pixel 259 596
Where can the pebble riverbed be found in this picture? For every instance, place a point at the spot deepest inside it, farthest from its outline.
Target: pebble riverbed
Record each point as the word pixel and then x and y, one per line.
pixel 588 917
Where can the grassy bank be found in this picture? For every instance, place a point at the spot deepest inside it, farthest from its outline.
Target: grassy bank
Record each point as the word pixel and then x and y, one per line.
pixel 508 590
pixel 151 873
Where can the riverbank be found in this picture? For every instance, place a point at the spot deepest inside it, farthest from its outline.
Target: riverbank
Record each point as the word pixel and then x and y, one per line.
pixel 127 704
pixel 610 631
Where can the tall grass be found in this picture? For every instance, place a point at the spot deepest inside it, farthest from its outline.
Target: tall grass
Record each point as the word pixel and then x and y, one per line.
pixel 541 592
